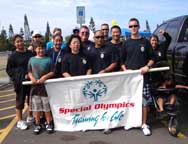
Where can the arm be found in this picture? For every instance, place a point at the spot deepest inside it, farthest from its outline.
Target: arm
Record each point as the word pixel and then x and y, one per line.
pixel 45 77
pixel 109 68
pixel 89 71
pixel 32 78
pixel 123 67
pixel 66 74
pixel 146 68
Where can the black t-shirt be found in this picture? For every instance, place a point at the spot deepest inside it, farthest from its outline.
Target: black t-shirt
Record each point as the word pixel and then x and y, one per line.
pixel 116 50
pixel 17 67
pixel 161 50
pixel 136 53
pixel 75 64
pixel 87 46
pixel 57 60
pixel 101 58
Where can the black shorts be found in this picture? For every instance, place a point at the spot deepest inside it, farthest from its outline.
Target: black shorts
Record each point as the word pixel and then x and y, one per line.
pixel 21 95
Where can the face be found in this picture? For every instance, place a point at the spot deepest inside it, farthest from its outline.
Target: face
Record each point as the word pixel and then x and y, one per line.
pixel 40 51
pixel 57 42
pixel 37 38
pixel 99 38
pixel 75 45
pixel 115 34
pixel 154 42
pixel 105 30
pixel 19 43
pixel 133 27
pixel 84 34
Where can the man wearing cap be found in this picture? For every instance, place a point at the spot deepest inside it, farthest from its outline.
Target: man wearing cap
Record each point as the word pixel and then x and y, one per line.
pixel 36 36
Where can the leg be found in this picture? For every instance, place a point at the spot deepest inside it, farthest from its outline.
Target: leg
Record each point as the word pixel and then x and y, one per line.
pixel 172 99
pixel 160 102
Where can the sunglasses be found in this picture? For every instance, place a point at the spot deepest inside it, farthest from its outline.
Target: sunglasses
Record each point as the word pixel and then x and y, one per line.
pixel 98 37
pixel 131 26
pixel 37 36
pixel 105 29
pixel 86 33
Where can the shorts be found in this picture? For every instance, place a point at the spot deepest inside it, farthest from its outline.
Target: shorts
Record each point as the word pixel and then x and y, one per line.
pixel 40 103
pixel 146 95
pixel 21 95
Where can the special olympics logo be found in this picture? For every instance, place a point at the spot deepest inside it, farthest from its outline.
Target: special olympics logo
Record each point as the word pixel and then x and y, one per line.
pixel 94 89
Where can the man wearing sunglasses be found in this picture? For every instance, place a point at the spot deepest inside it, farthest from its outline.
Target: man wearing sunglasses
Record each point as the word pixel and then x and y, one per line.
pixel 137 53
pixel 87 44
pixel 105 31
pixel 102 58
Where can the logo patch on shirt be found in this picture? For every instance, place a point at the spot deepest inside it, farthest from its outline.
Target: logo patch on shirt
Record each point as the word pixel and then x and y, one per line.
pixel 84 61
pixel 159 53
pixel 142 48
pixel 102 55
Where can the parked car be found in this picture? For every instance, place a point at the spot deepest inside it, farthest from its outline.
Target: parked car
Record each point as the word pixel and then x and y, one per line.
pixel 178 49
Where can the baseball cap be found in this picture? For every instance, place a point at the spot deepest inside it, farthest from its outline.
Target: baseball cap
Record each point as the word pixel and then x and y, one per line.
pixel 36 33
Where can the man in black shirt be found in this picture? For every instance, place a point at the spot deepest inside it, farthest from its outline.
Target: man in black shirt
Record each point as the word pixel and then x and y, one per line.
pixel 102 58
pixel 87 44
pixel 137 53
pixel 115 44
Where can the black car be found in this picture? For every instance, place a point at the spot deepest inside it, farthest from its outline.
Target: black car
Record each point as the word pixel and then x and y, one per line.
pixel 178 49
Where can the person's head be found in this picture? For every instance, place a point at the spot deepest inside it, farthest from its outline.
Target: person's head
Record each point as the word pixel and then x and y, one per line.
pixel 98 38
pixel 18 42
pixel 36 36
pixel 116 33
pixel 39 48
pixel 168 79
pixel 84 33
pixel 74 44
pixel 134 26
pixel 57 41
pixel 75 31
pixel 105 30
pixel 57 31
pixel 154 40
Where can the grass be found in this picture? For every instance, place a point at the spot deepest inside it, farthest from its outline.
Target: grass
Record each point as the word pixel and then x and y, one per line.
pixel 3 63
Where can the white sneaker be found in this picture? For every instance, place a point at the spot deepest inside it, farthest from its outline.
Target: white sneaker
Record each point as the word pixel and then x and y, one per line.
pixel 21 125
pixel 146 130
pixel 30 120
pixel 127 128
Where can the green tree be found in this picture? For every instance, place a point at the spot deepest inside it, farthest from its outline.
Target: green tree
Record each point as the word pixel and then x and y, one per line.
pixel 92 25
pixel 47 33
pixel 27 33
pixel 21 31
pixel 3 40
pixel 11 32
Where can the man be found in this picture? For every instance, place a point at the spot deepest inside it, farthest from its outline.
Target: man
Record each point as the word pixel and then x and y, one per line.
pixel 87 44
pixel 103 59
pixel 115 43
pixel 137 53
pixel 105 31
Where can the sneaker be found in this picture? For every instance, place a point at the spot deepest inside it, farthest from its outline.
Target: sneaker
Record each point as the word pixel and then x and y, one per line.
pixel 127 128
pixel 146 130
pixel 37 129
pixel 22 125
pixel 49 127
pixel 30 120
pixel 107 131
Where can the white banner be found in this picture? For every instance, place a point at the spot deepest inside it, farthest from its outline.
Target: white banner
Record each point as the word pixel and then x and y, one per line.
pixel 97 101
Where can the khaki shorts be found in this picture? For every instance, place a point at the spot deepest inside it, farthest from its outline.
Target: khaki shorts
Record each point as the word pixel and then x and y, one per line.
pixel 39 103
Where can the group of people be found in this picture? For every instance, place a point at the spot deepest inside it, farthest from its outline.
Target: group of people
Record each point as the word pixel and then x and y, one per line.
pixel 79 56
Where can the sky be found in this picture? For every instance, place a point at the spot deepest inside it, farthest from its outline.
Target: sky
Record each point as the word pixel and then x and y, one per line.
pixel 62 13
